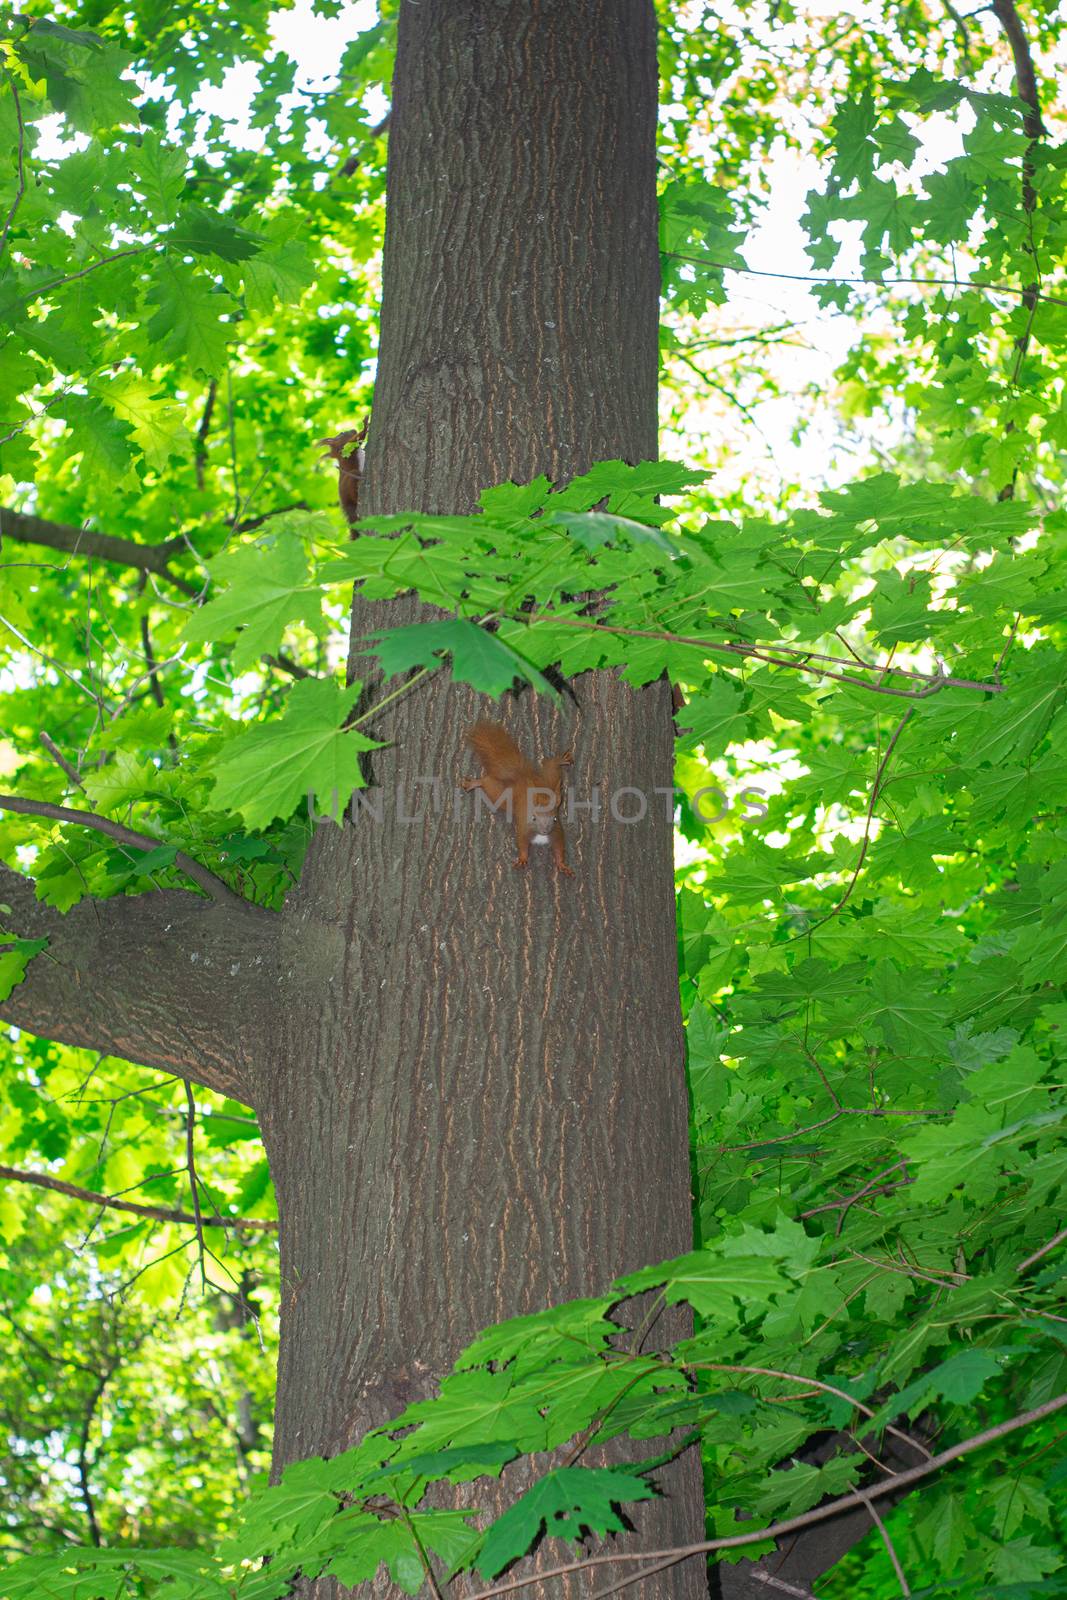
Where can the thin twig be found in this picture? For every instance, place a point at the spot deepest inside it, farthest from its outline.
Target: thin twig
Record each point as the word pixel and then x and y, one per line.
pixel 190 1160
pixel 934 681
pixel 1045 1248
pixel 231 429
pixel 422 1553
pixel 775 1530
pixel 878 283
pixel 1003 656
pixel 780 1584
pixel 201 875
pixel 887 1541
pixel 44 1180
pixel 951 1280
pixel 60 760
pixel 876 789
pixel 155 687
pixel 812 1383
pixel 72 277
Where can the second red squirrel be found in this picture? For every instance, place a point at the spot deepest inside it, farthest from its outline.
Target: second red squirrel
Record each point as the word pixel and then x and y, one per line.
pixel 347 450
pixel 531 796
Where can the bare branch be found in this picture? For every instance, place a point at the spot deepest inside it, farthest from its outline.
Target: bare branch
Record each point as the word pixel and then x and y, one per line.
pixel 1025 76
pixel 283 663
pixel 44 1180
pixel 200 454
pixel 154 558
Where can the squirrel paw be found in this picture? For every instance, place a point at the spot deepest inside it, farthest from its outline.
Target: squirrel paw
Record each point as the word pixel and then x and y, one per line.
pixel 521 861
pixel 567 871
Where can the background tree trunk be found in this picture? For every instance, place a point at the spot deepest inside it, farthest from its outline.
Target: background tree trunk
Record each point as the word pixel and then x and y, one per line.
pixel 474 1099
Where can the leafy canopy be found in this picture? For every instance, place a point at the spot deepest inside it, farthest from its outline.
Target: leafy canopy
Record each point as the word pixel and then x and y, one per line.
pixel 871 957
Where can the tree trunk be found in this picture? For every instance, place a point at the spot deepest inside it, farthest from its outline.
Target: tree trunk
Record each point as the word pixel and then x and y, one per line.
pixel 475 1102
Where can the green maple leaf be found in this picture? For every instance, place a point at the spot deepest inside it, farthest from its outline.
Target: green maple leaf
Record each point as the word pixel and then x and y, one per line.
pixel 121 781
pixel 476 1407
pixel 509 505
pixel 758 873
pixel 86 78
pixel 563 1504
pixel 205 233
pixel 158 172
pixel 899 607
pixel 478 657
pixel 1023 1564
pixel 156 424
pixel 952 201
pixel 631 491
pixel 903 1007
pixel 186 320
pixel 461 1465
pixel 268 770
pixel 267 588
pixel 854 123
pixel 102 438
pixel 15 959
pixel 277 272
pixel 594 529
pixel 365 1542
pixel 715 718
pixel 710 1281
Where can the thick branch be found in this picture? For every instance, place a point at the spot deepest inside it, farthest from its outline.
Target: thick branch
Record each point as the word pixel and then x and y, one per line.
pixel 169 980
pixel 1023 61
pixel 44 1180
pixel 155 558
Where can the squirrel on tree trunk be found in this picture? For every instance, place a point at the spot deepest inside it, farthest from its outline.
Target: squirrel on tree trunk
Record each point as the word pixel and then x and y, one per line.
pixel 531 796
pixel 347 450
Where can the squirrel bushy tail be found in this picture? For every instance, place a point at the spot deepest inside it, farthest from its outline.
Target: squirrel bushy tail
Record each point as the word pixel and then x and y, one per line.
pixel 498 752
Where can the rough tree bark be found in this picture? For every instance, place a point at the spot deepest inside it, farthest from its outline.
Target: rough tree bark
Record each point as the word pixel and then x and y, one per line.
pixel 470 1080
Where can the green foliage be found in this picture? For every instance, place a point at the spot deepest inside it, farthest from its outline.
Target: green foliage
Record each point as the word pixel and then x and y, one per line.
pixel 872 957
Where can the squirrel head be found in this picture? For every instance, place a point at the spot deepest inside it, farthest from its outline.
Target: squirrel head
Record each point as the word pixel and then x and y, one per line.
pixel 343 446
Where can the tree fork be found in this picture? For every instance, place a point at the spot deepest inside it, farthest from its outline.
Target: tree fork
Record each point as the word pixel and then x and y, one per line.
pixel 474 1098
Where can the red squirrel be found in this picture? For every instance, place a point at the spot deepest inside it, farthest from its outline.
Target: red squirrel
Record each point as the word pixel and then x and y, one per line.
pixel 347 450
pixel 532 796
